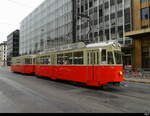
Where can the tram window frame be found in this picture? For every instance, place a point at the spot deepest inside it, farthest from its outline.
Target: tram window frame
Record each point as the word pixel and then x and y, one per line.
pixel 60 59
pixel 41 60
pixel 18 62
pixel 88 58
pixel 110 58
pixel 93 57
pixel 116 52
pixel 77 59
pixel 98 57
pixel 104 61
pixel 28 61
pixel 33 61
pixel 46 60
pixel 37 60
pixel 68 59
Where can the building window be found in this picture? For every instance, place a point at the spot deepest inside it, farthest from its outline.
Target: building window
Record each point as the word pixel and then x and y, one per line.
pixel 120 13
pixel 119 1
pixel 100 12
pixel 91 4
pixel 112 2
pixel 112 16
pixel 106 18
pixel 142 1
pixel 145 57
pixel 127 28
pixel 127 14
pixel 106 5
pixel 144 13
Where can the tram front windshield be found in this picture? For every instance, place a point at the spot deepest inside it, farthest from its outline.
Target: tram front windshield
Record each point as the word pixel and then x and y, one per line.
pixel 118 57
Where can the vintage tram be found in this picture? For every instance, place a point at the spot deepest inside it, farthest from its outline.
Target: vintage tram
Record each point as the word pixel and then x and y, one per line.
pixel 23 64
pixel 94 64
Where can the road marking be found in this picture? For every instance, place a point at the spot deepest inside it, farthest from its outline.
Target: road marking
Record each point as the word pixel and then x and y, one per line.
pixel 136 81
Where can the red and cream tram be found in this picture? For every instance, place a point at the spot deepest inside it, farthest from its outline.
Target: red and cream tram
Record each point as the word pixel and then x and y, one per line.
pixel 23 64
pixel 94 64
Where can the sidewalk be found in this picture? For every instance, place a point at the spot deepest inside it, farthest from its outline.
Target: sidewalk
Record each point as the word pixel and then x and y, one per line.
pixel 138 80
pixel 137 75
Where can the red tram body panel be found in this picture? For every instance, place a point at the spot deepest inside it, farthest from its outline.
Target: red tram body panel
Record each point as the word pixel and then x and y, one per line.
pixel 24 69
pixel 91 75
pixel 17 68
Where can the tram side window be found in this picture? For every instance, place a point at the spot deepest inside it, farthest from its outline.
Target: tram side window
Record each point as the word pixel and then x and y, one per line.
pixel 47 60
pixel 37 60
pixel 78 58
pixel 18 62
pixel 104 57
pixel 42 60
pixel 68 58
pixel 34 61
pixel 28 61
pixel 110 58
pixel 118 57
pixel 60 59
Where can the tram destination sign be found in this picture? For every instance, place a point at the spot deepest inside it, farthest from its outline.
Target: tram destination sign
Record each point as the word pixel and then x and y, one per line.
pixel 67 47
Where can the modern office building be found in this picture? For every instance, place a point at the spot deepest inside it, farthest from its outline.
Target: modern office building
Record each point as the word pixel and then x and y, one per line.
pixel 58 22
pixel 49 25
pixel 109 20
pixel 12 45
pixel 141 33
pixel 3 54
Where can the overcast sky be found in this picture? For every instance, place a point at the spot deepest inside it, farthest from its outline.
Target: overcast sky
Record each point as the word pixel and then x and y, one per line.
pixel 12 12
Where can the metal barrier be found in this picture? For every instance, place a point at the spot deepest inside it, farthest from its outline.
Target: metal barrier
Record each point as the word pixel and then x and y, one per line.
pixel 138 73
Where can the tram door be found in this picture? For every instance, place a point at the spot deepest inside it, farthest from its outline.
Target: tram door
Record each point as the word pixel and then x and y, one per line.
pixel 93 60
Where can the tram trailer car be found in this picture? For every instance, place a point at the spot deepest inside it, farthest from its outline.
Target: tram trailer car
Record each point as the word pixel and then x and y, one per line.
pixel 94 65
pixel 23 64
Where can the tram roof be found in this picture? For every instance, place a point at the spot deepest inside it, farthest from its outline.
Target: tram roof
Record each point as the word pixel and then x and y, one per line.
pixel 26 56
pixel 82 45
pixel 103 44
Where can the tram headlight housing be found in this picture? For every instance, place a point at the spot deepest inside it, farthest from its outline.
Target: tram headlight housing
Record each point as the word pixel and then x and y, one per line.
pixel 121 73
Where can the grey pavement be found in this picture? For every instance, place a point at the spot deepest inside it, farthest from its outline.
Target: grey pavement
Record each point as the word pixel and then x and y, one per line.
pixel 29 94
pixel 138 80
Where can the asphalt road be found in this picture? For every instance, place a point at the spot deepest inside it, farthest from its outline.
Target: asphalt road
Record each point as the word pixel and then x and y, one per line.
pixel 29 94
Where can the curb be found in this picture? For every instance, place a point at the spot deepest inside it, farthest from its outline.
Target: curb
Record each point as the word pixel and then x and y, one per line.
pixel 136 81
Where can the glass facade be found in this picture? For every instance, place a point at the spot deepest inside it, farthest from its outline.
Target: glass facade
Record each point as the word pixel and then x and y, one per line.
pixel 48 26
pixel 51 24
pixel 144 13
pixel 110 19
pixel 13 45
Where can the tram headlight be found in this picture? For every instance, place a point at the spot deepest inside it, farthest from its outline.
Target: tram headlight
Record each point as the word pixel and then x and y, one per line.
pixel 121 73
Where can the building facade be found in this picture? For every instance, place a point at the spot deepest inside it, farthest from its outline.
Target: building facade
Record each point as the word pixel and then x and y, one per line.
pixel 49 25
pixel 12 45
pixel 58 22
pixel 141 33
pixel 110 19
pixel 3 54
